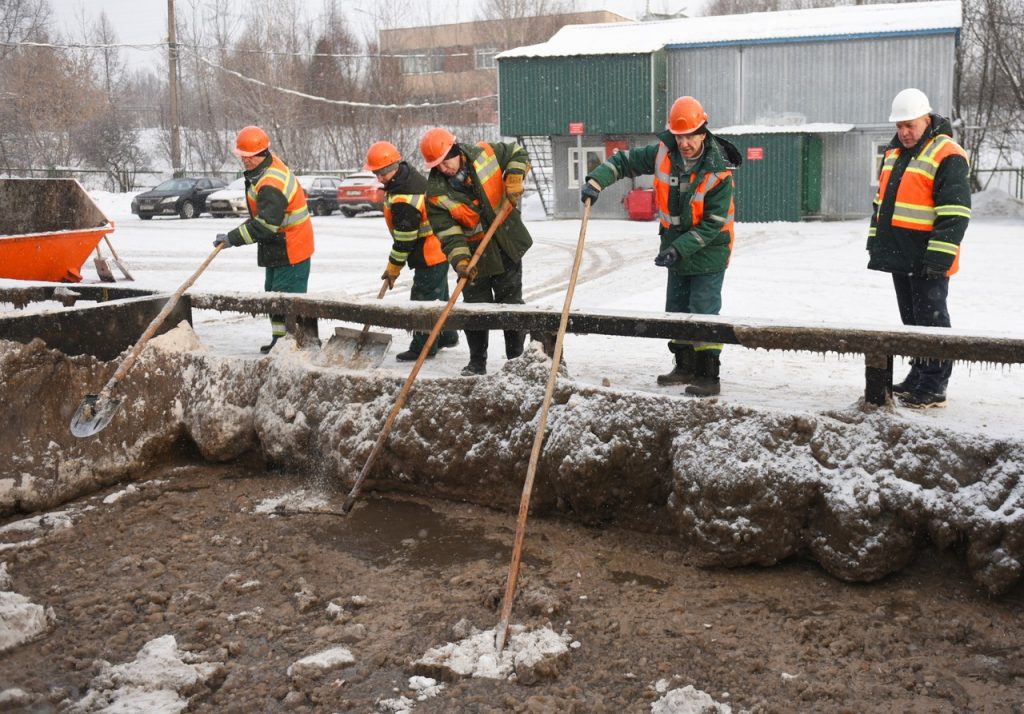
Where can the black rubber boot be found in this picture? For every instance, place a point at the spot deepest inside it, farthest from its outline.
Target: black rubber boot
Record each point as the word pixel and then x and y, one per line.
pixel 547 341
pixel 684 371
pixel 477 340
pixel 706 383
pixel 448 338
pixel 474 368
pixel 266 348
pixel 514 343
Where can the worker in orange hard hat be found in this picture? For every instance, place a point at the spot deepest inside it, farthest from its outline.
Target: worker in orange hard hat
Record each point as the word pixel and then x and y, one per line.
pixel 413 240
pixel 693 191
pixel 278 223
pixel 466 186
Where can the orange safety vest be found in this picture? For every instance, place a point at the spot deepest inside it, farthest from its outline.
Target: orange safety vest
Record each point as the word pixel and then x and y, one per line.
pixel 296 226
pixel 432 253
pixel 914 209
pixel 468 214
pixel 663 181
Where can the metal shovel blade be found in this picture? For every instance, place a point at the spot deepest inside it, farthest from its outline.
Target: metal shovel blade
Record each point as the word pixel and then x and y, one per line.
pixel 103 270
pixel 355 348
pixel 92 417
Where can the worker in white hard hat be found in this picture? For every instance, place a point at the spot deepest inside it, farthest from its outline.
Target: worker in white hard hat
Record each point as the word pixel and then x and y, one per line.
pixel 918 222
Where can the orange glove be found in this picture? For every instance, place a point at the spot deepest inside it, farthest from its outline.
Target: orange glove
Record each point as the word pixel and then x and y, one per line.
pixel 462 268
pixel 391 274
pixel 514 186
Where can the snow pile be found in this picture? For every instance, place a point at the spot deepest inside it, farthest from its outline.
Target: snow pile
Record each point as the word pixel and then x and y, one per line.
pixel 20 619
pixel 325 661
pixel 159 681
pixel 298 500
pixel 529 657
pixel 423 687
pixel 180 339
pixel 688 701
pixel 995 203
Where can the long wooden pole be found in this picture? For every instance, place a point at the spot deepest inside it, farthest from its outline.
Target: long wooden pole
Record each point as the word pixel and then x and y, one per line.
pixel 503 210
pixel 501 635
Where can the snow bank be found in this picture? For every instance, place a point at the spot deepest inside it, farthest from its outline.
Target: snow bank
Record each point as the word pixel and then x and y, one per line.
pixel 21 620
pixel 995 203
pixel 159 681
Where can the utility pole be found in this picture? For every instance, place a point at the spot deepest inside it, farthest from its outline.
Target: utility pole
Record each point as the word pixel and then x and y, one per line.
pixel 172 81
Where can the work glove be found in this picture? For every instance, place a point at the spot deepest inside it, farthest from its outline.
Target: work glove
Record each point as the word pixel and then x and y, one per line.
pixel 931 272
pixel 391 274
pixel 463 270
pixel 221 239
pixel 667 258
pixel 590 191
pixel 514 186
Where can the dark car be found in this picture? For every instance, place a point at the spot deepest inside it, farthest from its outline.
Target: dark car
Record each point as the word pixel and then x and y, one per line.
pixel 185 197
pixel 360 192
pixel 321 193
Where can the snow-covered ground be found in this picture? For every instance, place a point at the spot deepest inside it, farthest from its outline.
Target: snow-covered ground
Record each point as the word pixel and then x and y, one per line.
pixel 811 273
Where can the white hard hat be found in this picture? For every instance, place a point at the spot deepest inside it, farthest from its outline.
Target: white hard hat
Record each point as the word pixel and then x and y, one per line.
pixel 910 104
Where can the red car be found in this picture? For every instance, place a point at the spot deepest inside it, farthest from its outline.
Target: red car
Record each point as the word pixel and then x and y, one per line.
pixel 360 192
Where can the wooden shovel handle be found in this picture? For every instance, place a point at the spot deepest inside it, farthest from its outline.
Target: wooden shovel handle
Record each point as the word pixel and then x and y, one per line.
pixel 501 633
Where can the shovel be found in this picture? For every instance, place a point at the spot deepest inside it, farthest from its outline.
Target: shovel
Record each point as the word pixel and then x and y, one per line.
pixel 503 210
pixel 501 632
pixel 103 267
pixel 358 348
pixel 117 260
pixel 96 410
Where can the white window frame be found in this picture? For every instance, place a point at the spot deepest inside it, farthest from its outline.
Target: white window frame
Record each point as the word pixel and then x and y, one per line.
pixel 878 148
pixel 425 61
pixel 573 154
pixel 485 57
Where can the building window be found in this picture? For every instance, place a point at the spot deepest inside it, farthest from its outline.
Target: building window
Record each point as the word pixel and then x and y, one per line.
pixel 423 62
pixel 877 154
pixel 593 156
pixel 486 57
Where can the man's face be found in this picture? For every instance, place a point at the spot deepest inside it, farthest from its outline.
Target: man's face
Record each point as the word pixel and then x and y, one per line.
pixel 251 162
pixel 690 145
pixel 910 132
pixel 450 167
pixel 386 175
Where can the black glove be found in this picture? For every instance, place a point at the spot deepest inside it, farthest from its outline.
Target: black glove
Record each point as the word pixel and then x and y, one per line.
pixel 931 272
pixel 221 239
pixel 667 258
pixel 589 191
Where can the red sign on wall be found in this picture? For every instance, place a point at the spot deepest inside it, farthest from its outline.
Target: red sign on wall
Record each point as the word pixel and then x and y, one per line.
pixel 575 128
pixel 755 153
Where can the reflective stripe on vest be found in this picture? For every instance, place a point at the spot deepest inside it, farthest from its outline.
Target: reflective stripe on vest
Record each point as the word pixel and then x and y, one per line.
pixel 296 224
pixel 432 253
pixel 467 214
pixel 662 184
pixel 914 208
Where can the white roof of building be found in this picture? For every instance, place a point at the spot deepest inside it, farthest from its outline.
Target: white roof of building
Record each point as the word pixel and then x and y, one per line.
pixel 846 22
pixel 812 128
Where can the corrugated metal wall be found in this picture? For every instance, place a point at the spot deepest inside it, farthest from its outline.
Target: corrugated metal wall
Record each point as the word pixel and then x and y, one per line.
pixel 848 81
pixel 610 94
pixel 847 172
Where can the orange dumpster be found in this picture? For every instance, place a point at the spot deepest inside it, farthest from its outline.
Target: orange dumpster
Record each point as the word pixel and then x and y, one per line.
pixel 48 228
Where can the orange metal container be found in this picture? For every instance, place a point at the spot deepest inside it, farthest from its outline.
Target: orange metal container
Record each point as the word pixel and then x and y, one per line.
pixel 48 228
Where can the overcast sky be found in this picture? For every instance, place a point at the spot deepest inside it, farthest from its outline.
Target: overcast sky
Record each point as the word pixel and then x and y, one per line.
pixel 145 21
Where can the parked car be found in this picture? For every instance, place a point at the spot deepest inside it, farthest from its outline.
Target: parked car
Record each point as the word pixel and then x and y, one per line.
pixel 321 193
pixel 360 192
pixel 183 196
pixel 229 201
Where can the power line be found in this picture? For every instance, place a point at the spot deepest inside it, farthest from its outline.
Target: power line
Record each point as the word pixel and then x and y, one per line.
pixel 341 102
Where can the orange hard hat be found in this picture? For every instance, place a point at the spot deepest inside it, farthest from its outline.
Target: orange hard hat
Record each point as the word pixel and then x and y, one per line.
pixel 251 141
pixel 381 154
pixel 435 145
pixel 686 116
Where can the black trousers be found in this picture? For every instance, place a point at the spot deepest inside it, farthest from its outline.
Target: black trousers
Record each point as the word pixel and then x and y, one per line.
pixel 922 302
pixel 506 288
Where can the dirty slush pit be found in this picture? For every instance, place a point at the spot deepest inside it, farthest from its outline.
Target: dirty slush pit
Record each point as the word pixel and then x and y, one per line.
pixel 188 551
